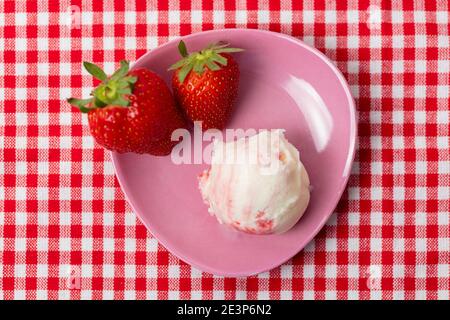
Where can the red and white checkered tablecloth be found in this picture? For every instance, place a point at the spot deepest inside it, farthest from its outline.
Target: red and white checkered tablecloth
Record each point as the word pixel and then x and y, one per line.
pixel 61 209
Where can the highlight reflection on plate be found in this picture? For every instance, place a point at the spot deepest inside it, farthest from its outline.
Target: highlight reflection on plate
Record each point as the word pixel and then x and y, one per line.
pixel 284 84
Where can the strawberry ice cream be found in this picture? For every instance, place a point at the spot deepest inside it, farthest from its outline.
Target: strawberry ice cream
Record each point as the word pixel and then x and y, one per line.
pixel 257 185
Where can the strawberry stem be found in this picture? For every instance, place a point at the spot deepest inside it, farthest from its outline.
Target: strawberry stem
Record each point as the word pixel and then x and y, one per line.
pixel 209 57
pixel 112 91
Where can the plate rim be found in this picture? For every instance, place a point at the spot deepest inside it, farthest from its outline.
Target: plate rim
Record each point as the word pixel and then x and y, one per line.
pixel 349 162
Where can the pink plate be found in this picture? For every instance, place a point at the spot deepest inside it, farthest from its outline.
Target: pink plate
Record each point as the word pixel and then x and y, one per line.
pixel 284 84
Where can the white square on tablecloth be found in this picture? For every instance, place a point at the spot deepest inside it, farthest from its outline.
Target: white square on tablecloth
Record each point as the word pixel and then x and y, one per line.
pixel 308 16
pixel 20 44
pixel 376 168
pixel 42 193
pixel 420 117
pixel 42 245
pixel 375 41
pixel 443 117
pixel 86 270
pixel 174 17
pixel 443 41
pixel 420 142
pixel 108 271
pixel 420 92
pixel 399 245
pixel 353 244
pixel 376 218
pixel 130 245
pixel 399 193
pixel 65 44
pixel 43 18
pixel 20 69
pixel 444 167
pixel 152 17
pixel 130 43
pixel 420 41
pixel 196 16
pixel 43 218
pixel 42 270
pixel 20 94
pixel 442 142
pixel 108 17
pixel 421 167
pixel 286 16
pixel 421 193
pixel 330 16
pixel 219 17
pixel 352 42
pixel 241 16
pixel 21 218
pixel 331 244
pixel 443 92
pixel 87 43
pixel 444 193
pixel 398 116
pixel 130 17
pixel 174 271
pixel 152 42
pixel 65 218
pixel 398 66
pixel 65 118
pixel 20 244
pixel 87 244
pixel 443 66
pixel 399 167
pixel 330 271
pixel 352 16
pixel 376 244
pixel 398 41
pixel 20 18
pixel 65 244
pixel 21 168
pixel 87 17
pixel 19 295
pixel 398 142
pixel 399 218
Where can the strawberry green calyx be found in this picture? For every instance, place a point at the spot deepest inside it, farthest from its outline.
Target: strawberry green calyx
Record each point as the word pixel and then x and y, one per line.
pixel 210 57
pixel 112 90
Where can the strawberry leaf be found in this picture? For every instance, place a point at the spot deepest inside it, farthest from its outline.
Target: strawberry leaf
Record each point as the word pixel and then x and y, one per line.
pixel 182 74
pixel 212 65
pixel 228 50
pixel 196 61
pixel 121 102
pixel 182 49
pixel 122 71
pixel 218 58
pixel 95 71
pixel 80 104
pixel 131 79
pixel 199 66
pixel 178 64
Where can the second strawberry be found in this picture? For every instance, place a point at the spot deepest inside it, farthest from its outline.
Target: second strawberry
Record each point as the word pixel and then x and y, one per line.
pixel 205 84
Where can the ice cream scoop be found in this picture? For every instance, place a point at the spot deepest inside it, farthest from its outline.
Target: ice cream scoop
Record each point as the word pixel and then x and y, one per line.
pixel 256 184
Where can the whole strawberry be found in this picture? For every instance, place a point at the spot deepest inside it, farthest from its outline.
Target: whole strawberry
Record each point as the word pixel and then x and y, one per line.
pixel 205 84
pixel 131 111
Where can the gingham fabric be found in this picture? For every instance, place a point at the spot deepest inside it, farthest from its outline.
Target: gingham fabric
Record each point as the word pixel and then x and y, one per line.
pixel 66 231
